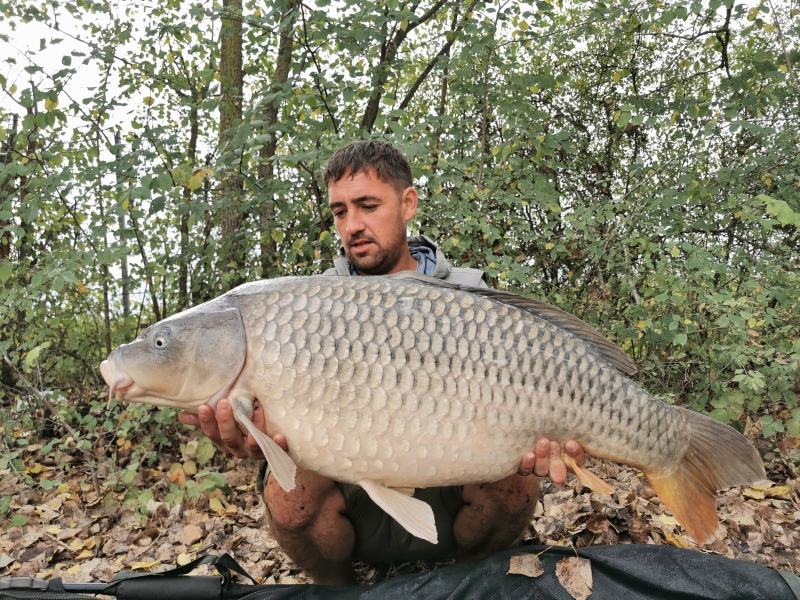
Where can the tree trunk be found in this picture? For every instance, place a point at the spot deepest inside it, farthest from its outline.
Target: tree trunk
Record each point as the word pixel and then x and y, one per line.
pixel 230 113
pixel 183 259
pixel 266 168
pixel 388 54
pixel 6 156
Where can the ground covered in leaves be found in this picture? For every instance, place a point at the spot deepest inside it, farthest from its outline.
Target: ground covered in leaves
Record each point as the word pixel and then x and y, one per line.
pixel 191 501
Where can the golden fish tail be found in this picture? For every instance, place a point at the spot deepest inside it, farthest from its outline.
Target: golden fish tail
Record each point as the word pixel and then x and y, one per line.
pixel 717 457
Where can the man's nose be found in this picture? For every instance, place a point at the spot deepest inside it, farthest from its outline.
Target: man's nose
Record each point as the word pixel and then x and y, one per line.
pixel 354 223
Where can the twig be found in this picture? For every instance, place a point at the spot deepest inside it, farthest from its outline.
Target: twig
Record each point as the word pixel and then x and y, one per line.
pixel 90 459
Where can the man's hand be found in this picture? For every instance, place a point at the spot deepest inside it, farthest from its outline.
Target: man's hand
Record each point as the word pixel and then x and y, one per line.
pixel 546 459
pixel 223 430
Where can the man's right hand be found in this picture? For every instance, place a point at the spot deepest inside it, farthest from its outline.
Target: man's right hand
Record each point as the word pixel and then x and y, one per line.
pixel 223 430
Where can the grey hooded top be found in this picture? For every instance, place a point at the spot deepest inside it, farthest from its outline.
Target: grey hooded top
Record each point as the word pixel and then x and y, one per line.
pixel 443 270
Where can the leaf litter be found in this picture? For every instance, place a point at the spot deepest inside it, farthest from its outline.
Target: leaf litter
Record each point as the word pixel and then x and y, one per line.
pixel 68 531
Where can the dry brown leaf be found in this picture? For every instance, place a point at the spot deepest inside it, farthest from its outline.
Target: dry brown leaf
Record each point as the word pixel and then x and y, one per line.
pixel 178 477
pixel 191 534
pixel 597 523
pixel 525 564
pixel 575 575
pixel 754 493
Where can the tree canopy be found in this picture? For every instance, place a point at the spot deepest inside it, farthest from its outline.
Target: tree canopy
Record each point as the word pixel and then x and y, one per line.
pixel 634 163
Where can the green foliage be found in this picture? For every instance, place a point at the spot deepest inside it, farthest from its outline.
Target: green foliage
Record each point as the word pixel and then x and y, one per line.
pixel 637 164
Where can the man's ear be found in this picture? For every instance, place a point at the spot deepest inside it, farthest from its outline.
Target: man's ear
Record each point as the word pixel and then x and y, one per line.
pixel 409 201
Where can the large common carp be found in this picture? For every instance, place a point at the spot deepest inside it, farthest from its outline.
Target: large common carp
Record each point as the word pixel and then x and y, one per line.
pixel 405 381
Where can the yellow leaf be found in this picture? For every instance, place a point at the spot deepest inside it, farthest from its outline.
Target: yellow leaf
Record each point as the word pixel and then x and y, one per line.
pixel 170 57
pixel 215 504
pixel 454 241
pixel 404 25
pixel 86 554
pixel 617 76
pixel 641 325
pixel 667 520
pixel 149 100
pixel 35 469
pixel 196 180
pixel 675 252
pixel 82 289
pixel 189 467
pixel 754 494
pixel 184 558
pixel 780 490
pixel 125 204
pixel 549 246
pixel 675 540
pixel 13 88
pixel 54 530
pixel 50 104
pixel 76 545
pixel 231 509
pixel 144 566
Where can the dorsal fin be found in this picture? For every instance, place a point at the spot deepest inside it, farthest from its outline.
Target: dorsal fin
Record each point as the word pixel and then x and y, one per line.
pixel 607 349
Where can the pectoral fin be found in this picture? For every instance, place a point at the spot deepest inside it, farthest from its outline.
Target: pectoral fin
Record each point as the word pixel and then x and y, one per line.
pixel 283 467
pixel 415 515
pixel 586 477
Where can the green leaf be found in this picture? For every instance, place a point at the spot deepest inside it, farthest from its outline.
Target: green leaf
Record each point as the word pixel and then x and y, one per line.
pixel 779 209
pixel 19 520
pixel 5 271
pixel 680 339
pixel 205 450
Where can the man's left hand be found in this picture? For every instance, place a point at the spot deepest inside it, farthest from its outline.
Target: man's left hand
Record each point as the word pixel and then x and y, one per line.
pixel 545 460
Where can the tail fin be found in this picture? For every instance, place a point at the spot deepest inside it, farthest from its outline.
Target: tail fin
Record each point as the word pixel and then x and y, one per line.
pixel 718 457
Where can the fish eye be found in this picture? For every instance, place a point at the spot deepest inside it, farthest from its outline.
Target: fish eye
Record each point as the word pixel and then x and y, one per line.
pixel 162 338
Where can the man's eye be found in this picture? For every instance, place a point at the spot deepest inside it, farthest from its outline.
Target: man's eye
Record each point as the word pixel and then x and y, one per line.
pixel 369 207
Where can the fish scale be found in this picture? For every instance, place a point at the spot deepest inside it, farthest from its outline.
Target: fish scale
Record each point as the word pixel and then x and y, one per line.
pixel 405 381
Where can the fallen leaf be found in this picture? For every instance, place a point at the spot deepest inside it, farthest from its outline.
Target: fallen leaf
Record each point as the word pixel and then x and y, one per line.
pixel 215 504
pixel 86 554
pixel 76 545
pixel 673 539
pixel 667 520
pixel 575 575
pixel 178 477
pixel 781 490
pixel 144 566
pixel 525 564
pixel 184 558
pixel 5 560
pixel 597 523
pixel 190 534
pixel 754 493
pixel 741 519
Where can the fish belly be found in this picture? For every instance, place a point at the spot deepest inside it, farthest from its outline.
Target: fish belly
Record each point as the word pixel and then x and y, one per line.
pixel 420 386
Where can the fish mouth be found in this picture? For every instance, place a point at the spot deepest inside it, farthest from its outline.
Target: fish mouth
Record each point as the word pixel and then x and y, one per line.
pixel 119 382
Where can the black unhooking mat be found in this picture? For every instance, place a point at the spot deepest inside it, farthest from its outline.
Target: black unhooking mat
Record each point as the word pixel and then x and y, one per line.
pixel 628 572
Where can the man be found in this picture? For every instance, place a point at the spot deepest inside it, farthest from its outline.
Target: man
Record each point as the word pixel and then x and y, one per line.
pixel 323 525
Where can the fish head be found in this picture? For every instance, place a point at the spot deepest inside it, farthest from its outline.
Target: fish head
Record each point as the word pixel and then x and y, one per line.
pixel 189 359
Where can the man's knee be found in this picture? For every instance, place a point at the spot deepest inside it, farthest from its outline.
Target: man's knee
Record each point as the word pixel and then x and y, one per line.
pixel 298 509
pixel 513 495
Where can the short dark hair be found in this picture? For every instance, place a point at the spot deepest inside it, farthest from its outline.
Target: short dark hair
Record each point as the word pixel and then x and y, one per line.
pixel 388 162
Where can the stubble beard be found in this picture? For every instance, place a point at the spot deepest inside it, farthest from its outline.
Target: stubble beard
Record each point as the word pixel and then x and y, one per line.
pixel 385 259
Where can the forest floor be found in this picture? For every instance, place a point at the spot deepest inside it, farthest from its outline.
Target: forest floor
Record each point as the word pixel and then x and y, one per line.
pixel 72 533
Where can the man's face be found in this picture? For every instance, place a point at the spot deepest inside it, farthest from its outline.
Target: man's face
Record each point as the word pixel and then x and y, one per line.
pixel 371 219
